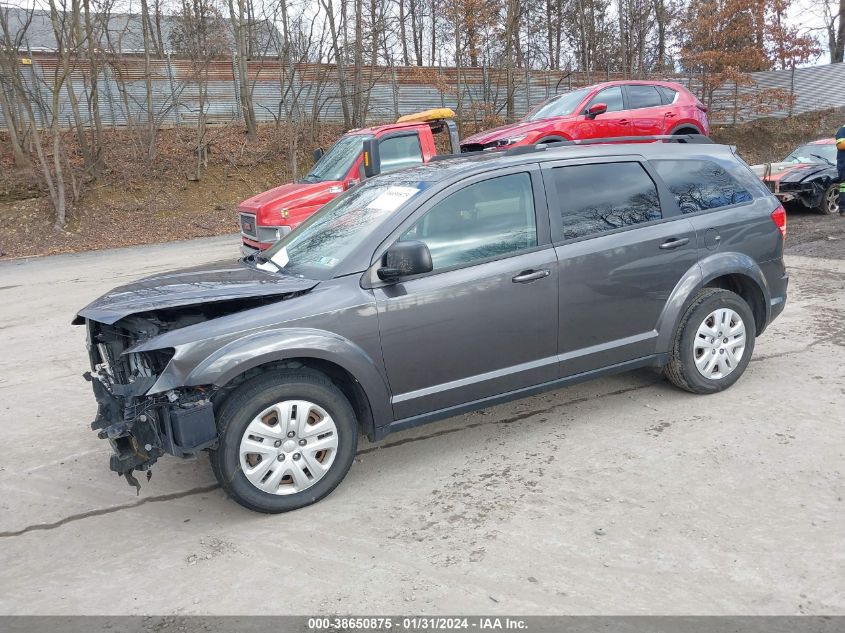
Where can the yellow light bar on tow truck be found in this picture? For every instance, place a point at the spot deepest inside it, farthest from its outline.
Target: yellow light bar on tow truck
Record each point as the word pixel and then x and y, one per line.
pixel 437 114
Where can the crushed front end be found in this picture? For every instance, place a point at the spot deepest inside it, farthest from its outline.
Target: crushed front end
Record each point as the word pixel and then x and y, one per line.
pixel 141 427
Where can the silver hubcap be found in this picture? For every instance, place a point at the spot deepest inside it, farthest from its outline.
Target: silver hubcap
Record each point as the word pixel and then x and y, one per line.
pixel 288 447
pixel 719 343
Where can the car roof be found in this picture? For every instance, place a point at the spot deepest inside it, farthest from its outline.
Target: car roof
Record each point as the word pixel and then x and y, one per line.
pixel 823 141
pixel 674 85
pixel 461 166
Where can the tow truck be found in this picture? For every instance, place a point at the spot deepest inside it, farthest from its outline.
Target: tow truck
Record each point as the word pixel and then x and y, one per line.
pixel 357 155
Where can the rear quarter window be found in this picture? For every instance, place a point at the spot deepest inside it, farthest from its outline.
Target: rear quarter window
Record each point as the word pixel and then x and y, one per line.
pixel 701 185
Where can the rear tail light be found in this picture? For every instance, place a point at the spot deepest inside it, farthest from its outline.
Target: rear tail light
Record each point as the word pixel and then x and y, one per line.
pixel 779 218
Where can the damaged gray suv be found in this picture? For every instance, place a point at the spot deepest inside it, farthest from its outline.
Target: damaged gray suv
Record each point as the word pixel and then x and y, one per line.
pixel 433 291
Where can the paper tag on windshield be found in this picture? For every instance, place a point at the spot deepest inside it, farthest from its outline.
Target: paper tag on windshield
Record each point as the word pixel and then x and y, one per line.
pixel 281 258
pixel 392 198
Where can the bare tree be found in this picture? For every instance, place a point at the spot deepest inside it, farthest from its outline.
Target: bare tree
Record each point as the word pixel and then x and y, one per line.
pixel 200 36
pixel 239 14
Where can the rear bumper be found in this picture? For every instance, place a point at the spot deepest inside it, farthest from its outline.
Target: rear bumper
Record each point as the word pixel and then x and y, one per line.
pixel 777 302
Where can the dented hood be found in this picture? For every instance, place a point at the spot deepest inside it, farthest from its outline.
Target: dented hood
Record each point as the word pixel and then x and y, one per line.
pixel 220 281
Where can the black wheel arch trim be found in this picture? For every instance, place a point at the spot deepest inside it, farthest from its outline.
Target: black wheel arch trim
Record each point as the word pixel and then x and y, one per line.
pixel 700 275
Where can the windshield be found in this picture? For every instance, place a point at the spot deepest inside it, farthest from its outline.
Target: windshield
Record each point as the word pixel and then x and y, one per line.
pixel 336 163
pixel 559 105
pixel 323 241
pixel 813 153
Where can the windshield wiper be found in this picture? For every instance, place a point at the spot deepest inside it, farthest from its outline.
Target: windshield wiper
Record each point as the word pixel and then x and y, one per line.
pixel 823 158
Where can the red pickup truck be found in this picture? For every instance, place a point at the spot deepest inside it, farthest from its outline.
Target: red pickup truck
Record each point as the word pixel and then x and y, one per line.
pixel 271 215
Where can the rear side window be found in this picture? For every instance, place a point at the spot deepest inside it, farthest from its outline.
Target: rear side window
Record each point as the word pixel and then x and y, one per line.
pixel 700 185
pixel 643 97
pixel 668 94
pixel 486 219
pixel 399 152
pixel 612 97
pixel 604 197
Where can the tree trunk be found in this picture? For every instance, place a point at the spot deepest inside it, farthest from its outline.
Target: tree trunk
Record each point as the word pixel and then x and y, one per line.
pixel 148 83
pixel 358 61
pixel 416 32
pixel 403 34
pixel 94 92
pixel 838 52
pixel 511 33
pixel 240 29
pixel 12 123
pixel 338 55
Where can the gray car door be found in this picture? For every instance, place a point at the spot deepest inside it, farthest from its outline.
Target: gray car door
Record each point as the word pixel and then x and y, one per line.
pixel 622 247
pixel 484 321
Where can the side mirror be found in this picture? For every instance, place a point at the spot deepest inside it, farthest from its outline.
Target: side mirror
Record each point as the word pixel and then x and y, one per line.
pixel 318 154
pixel 372 160
pixel 405 259
pixel 596 109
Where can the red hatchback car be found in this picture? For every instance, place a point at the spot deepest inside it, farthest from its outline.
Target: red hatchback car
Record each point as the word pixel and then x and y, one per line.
pixel 615 108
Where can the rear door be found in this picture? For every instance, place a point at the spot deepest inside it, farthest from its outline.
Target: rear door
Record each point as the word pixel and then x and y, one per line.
pixel 622 247
pixel 717 196
pixel 670 116
pixel 484 321
pixel 646 109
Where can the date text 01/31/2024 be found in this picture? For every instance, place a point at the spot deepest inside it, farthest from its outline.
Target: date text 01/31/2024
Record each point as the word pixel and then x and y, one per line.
pixel 417 623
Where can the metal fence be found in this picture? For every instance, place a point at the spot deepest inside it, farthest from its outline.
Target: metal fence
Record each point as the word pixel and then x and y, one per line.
pixel 388 91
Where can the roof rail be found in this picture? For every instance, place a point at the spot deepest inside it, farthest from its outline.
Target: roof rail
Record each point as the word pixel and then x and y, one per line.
pixel 438 157
pixel 696 139
pixel 666 138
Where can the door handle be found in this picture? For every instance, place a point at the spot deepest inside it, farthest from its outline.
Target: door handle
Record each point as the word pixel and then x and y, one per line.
pixel 674 242
pixel 670 115
pixel 623 121
pixel 527 276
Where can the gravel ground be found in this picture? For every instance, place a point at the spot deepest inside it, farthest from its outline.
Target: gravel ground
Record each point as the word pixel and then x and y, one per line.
pixel 622 495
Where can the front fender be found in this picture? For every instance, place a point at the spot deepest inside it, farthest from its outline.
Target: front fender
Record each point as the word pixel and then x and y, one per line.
pixel 250 351
pixel 697 277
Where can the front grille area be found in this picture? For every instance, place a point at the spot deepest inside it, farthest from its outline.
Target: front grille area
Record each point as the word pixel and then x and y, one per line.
pixel 247 221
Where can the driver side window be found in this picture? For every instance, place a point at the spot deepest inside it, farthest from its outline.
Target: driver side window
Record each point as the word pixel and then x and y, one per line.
pixel 611 96
pixel 486 219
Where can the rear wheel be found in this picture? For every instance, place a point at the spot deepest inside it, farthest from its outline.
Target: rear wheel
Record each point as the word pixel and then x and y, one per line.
pixel 713 343
pixel 287 439
pixel 830 201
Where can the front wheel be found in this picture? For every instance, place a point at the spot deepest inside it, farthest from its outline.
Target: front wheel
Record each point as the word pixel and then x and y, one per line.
pixel 287 439
pixel 830 201
pixel 713 342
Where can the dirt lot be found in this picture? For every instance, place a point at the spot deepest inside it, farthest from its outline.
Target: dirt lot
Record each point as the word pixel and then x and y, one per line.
pixel 622 495
pixel 140 203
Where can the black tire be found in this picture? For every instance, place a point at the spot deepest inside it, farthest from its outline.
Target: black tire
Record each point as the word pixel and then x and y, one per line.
pixel 681 370
pixel 830 200
pixel 552 139
pixel 685 133
pixel 247 402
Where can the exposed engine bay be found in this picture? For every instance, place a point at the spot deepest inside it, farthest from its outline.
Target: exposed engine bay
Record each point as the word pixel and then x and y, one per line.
pixel 140 427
